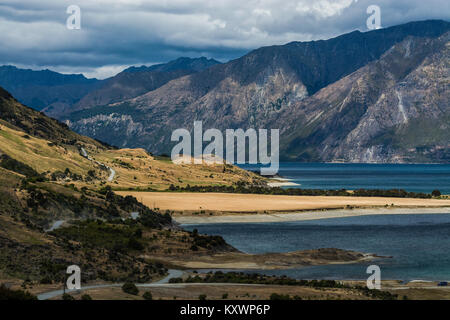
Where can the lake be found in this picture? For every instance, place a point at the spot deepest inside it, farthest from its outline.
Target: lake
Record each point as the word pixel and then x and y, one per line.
pixel 410 177
pixel 419 244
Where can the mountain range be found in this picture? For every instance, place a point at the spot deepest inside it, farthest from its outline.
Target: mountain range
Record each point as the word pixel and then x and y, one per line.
pixel 39 89
pixel 378 96
pixel 55 93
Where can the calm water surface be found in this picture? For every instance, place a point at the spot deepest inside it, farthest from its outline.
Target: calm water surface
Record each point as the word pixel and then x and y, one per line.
pixel 410 177
pixel 419 244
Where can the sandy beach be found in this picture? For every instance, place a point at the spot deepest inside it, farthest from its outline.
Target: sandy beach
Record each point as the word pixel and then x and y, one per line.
pixel 305 215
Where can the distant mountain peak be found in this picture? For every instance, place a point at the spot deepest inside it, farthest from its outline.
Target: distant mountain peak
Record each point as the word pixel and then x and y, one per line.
pixel 182 63
pixel 45 76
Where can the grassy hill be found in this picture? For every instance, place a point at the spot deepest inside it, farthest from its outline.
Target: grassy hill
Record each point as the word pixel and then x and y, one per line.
pixel 50 148
pixel 45 177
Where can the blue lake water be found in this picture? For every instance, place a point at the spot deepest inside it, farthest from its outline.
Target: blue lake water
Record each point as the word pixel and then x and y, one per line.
pixel 410 177
pixel 419 244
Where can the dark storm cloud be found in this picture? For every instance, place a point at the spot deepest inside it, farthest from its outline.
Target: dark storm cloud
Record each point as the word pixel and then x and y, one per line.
pixel 118 33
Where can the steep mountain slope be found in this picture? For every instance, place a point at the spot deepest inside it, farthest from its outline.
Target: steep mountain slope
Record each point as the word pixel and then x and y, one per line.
pixel 133 82
pixel 37 124
pixel 395 109
pixel 267 88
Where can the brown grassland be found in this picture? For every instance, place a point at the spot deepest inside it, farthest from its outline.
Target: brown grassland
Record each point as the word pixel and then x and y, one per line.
pixel 220 203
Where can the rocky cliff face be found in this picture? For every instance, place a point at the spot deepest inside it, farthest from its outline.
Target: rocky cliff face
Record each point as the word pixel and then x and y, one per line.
pixel 379 96
pixel 392 110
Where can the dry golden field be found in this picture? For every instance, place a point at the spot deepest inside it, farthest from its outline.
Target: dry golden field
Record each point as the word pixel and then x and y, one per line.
pixel 256 203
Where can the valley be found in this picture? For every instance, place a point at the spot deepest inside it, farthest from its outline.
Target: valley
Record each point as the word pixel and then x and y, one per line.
pixel 49 174
pixel 86 180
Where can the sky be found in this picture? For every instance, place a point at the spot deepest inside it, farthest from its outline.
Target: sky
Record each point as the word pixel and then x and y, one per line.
pixel 115 34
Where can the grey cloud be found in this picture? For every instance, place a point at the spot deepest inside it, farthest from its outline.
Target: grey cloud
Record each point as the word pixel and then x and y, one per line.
pixel 132 32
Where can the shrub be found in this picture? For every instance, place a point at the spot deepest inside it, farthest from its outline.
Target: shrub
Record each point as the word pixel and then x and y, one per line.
pixel 135 244
pixel 202 297
pixel 147 295
pixel 101 234
pixel 225 296
pixel 276 296
pixel 46 280
pixel 67 297
pixel 8 294
pixel 130 288
pixel 241 187
pixel 86 297
pixel 436 193
pixel 17 166
pixel 175 280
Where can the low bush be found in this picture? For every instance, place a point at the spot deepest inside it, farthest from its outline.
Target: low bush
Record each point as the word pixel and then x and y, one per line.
pixel 249 189
pixel 147 295
pixel 9 294
pixel 130 288
pixel 67 297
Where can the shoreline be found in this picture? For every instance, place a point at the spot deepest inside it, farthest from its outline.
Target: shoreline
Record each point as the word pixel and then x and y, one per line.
pixel 309 215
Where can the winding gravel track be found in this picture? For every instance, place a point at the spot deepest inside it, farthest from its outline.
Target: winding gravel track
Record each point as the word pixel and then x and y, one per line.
pixel 161 283
pixel 111 170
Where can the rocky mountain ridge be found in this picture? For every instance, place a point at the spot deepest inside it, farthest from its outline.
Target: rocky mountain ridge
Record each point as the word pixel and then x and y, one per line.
pixel 360 97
